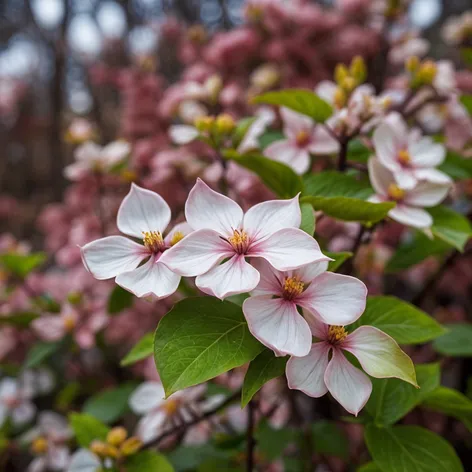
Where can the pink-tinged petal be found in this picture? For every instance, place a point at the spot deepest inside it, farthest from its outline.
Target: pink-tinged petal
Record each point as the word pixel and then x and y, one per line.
pixel 277 324
pixel 379 354
pixel 152 278
pixel 84 461
pixel 150 426
pixel 88 152
pixel 23 413
pixel 380 177
pixel 308 272
pixel 271 280
pixel 323 142
pixel 76 171
pixel 207 209
pixel 39 464
pixel 385 145
pixel 288 153
pixel 318 328
pixel 427 194
pixel 107 257
pixel 142 210
pixel 230 278
pixel 58 457
pixel 411 216
pixel 434 176
pixel 266 218
pixel 426 153
pixel 295 122
pixel 307 373
pixel 336 299
pixel 49 328
pixel 405 178
pixel 183 134
pixel 326 90
pixel 288 249
pixel 115 152
pixel 183 228
pixel 398 126
pixel 147 397
pixel 197 253
pixel 349 386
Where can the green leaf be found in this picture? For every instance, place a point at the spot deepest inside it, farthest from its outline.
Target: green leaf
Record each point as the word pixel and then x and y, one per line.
pixel 401 320
pixel 272 442
pixel 466 100
pixel 457 342
pixel 200 338
pixel 39 352
pixel 339 258
pixel 87 428
pixel 452 403
pixel 277 176
pixel 185 458
pixel 241 129
pixel 308 218
pixel 270 137
pixel 22 264
pixel 450 226
pixel 142 349
pixel 392 399
pixel 20 320
pixel 410 449
pixel 336 184
pixel 110 405
pixel 148 461
pixel 369 467
pixel 299 100
pixel 119 300
pixel 358 151
pixel 329 439
pixel 415 251
pixel 263 368
pixel 457 166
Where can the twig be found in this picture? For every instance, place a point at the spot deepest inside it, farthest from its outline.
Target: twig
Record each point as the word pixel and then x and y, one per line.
pixel 342 159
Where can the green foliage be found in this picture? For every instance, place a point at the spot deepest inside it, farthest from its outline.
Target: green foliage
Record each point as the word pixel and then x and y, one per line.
pixel 357 151
pixel 270 137
pixel 299 100
pixel 466 100
pixel 450 226
pixel 142 349
pixel 263 368
pixel 308 218
pixel 272 442
pixel 336 184
pixel 392 399
pixel 21 319
pixel 457 166
pixel 110 405
pixel 329 439
pixel 410 449
pixel 185 458
pixel 457 342
pixel 201 338
pixel 39 352
pixel 401 320
pixel 22 264
pixel 241 129
pixel 369 467
pixel 87 428
pixel 148 461
pixel 119 300
pixel 339 258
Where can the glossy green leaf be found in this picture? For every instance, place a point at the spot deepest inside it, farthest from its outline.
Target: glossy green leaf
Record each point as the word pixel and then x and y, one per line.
pixel 308 218
pixel 87 428
pixel 456 166
pixel 241 129
pixel 450 226
pixel 410 449
pixel 299 100
pixel 21 319
pixel 185 458
pixel 329 439
pixel 148 461
pixel 119 300
pixel 142 349
pixel 466 100
pixel 369 467
pixel 339 259
pixel 336 184
pixel 357 151
pixel 263 368
pixel 399 319
pixel 40 352
pixel 270 137
pixel 201 338
pixel 22 264
pixel 457 342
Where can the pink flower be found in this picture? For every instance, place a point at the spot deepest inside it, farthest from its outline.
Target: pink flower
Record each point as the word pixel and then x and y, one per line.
pixel 378 354
pixel 303 136
pixel 222 231
pixel 410 156
pixel 143 214
pixel 272 315
pixel 410 202
pixel 15 402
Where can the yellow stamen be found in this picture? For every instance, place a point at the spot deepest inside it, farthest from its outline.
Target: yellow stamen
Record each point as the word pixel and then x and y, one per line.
pixel 293 287
pixel 69 322
pixel 170 406
pixel 153 241
pixel 303 138
pixel 336 334
pixel 176 237
pixel 239 241
pixel 395 192
pixel 404 157
pixel 39 446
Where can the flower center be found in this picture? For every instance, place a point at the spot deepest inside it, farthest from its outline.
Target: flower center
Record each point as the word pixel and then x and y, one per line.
pixel 171 406
pixel 153 241
pixel 404 157
pixel 395 192
pixel 303 138
pixel 336 334
pixel 39 446
pixel 239 241
pixel 69 323
pixel 293 287
pixel 176 237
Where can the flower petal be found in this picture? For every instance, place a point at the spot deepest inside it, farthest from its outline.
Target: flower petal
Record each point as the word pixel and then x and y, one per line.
pixel 433 175
pixel 308 272
pixel 427 194
pixel 183 228
pixel 183 134
pixel 271 279
pixel 411 216
pixel 88 152
pixel 147 397
pixel 277 324
pixel 153 277
pixel 380 177
pixel 142 210
pixel 49 328
pixel 288 249
pixel 385 144
pixel 323 142
pixel 295 122
pixel 115 152
pixel 266 218
pixel 230 278
pixel 84 461
pixel 150 426
pixel 307 373
pixel 23 413
pixel 197 253
pixel 107 257
pixel 336 299
pixel 380 355
pixel 348 385
pixel 326 90
pixel 287 152
pixel 207 209
pixel 426 153
pixel 318 329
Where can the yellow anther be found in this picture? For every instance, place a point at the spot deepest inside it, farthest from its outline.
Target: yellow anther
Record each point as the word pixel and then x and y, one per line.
pixel 336 334
pixel 197 34
pixel 39 446
pixel 131 446
pixel 204 124
pixel 395 192
pixel 303 138
pixel 153 241
pixel 239 241
pixel 170 406
pixel 116 436
pixel 176 237
pixel 404 157
pixel 293 287
pixel 129 175
pixel 412 64
pixel 69 322
pixel 224 124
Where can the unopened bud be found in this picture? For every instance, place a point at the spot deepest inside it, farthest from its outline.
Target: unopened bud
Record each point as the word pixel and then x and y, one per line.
pixel 358 69
pixel 99 448
pixel 427 73
pixel 213 85
pixel 225 124
pixel 340 73
pixel 265 77
pixel 204 123
pixel 74 298
pixel 412 64
pixel 131 446
pixel 116 436
pixel 348 84
pixel 340 98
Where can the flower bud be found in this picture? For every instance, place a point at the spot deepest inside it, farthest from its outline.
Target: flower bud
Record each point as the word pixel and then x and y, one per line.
pixel 99 448
pixel 204 123
pixel 225 124
pixel 340 73
pixel 427 73
pixel 340 97
pixel 348 84
pixel 213 85
pixel 265 77
pixel 358 69
pixel 412 64
pixel 131 446
pixel 116 436
pixel 74 298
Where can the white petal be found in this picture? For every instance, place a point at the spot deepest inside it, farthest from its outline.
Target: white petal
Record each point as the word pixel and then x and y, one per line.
pixel 39 464
pixel 348 385
pixel 8 388
pixel 88 152
pixel 107 257
pixel 146 397
pixel 307 373
pixel 266 218
pixel 230 278
pixel 58 457
pixel 427 194
pixel 183 134
pixel 52 423
pixel 336 299
pixel 277 324
pixel 84 461
pixel 405 179
pixel 153 277
pixel 379 354
pixel 197 253
pixel 115 152
pixel 287 152
pixel 326 90
pixel 308 272
pixel 323 142
pixel 380 177
pixel 426 153
pixel 141 211
pixel 207 209
pixel 318 329
pixel 49 328
pixel 411 216
pixel 434 176
pixel 271 280
pixel 76 170
pixel 288 249
pixel 385 144
pixel 23 413
pixel 295 122
pixel 150 426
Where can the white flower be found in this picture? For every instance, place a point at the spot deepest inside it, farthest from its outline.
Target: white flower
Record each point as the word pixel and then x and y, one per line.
pixel 264 118
pixel 15 402
pixel 84 461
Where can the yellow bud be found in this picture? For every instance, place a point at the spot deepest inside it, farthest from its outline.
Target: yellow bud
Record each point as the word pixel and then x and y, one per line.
pixel 213 85
pixel 74 298
pixel 358 69
pixel 116 436
pixel 412 64
pixel 131 446
pixel 204 123
pixel 427 73
pixel 225 124
pixel 39 446
pixel 340 73
pixel 340 98
pixel 99 448
pixel 348 84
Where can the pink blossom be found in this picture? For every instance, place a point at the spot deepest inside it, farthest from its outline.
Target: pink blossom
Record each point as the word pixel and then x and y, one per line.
pixel 15 402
